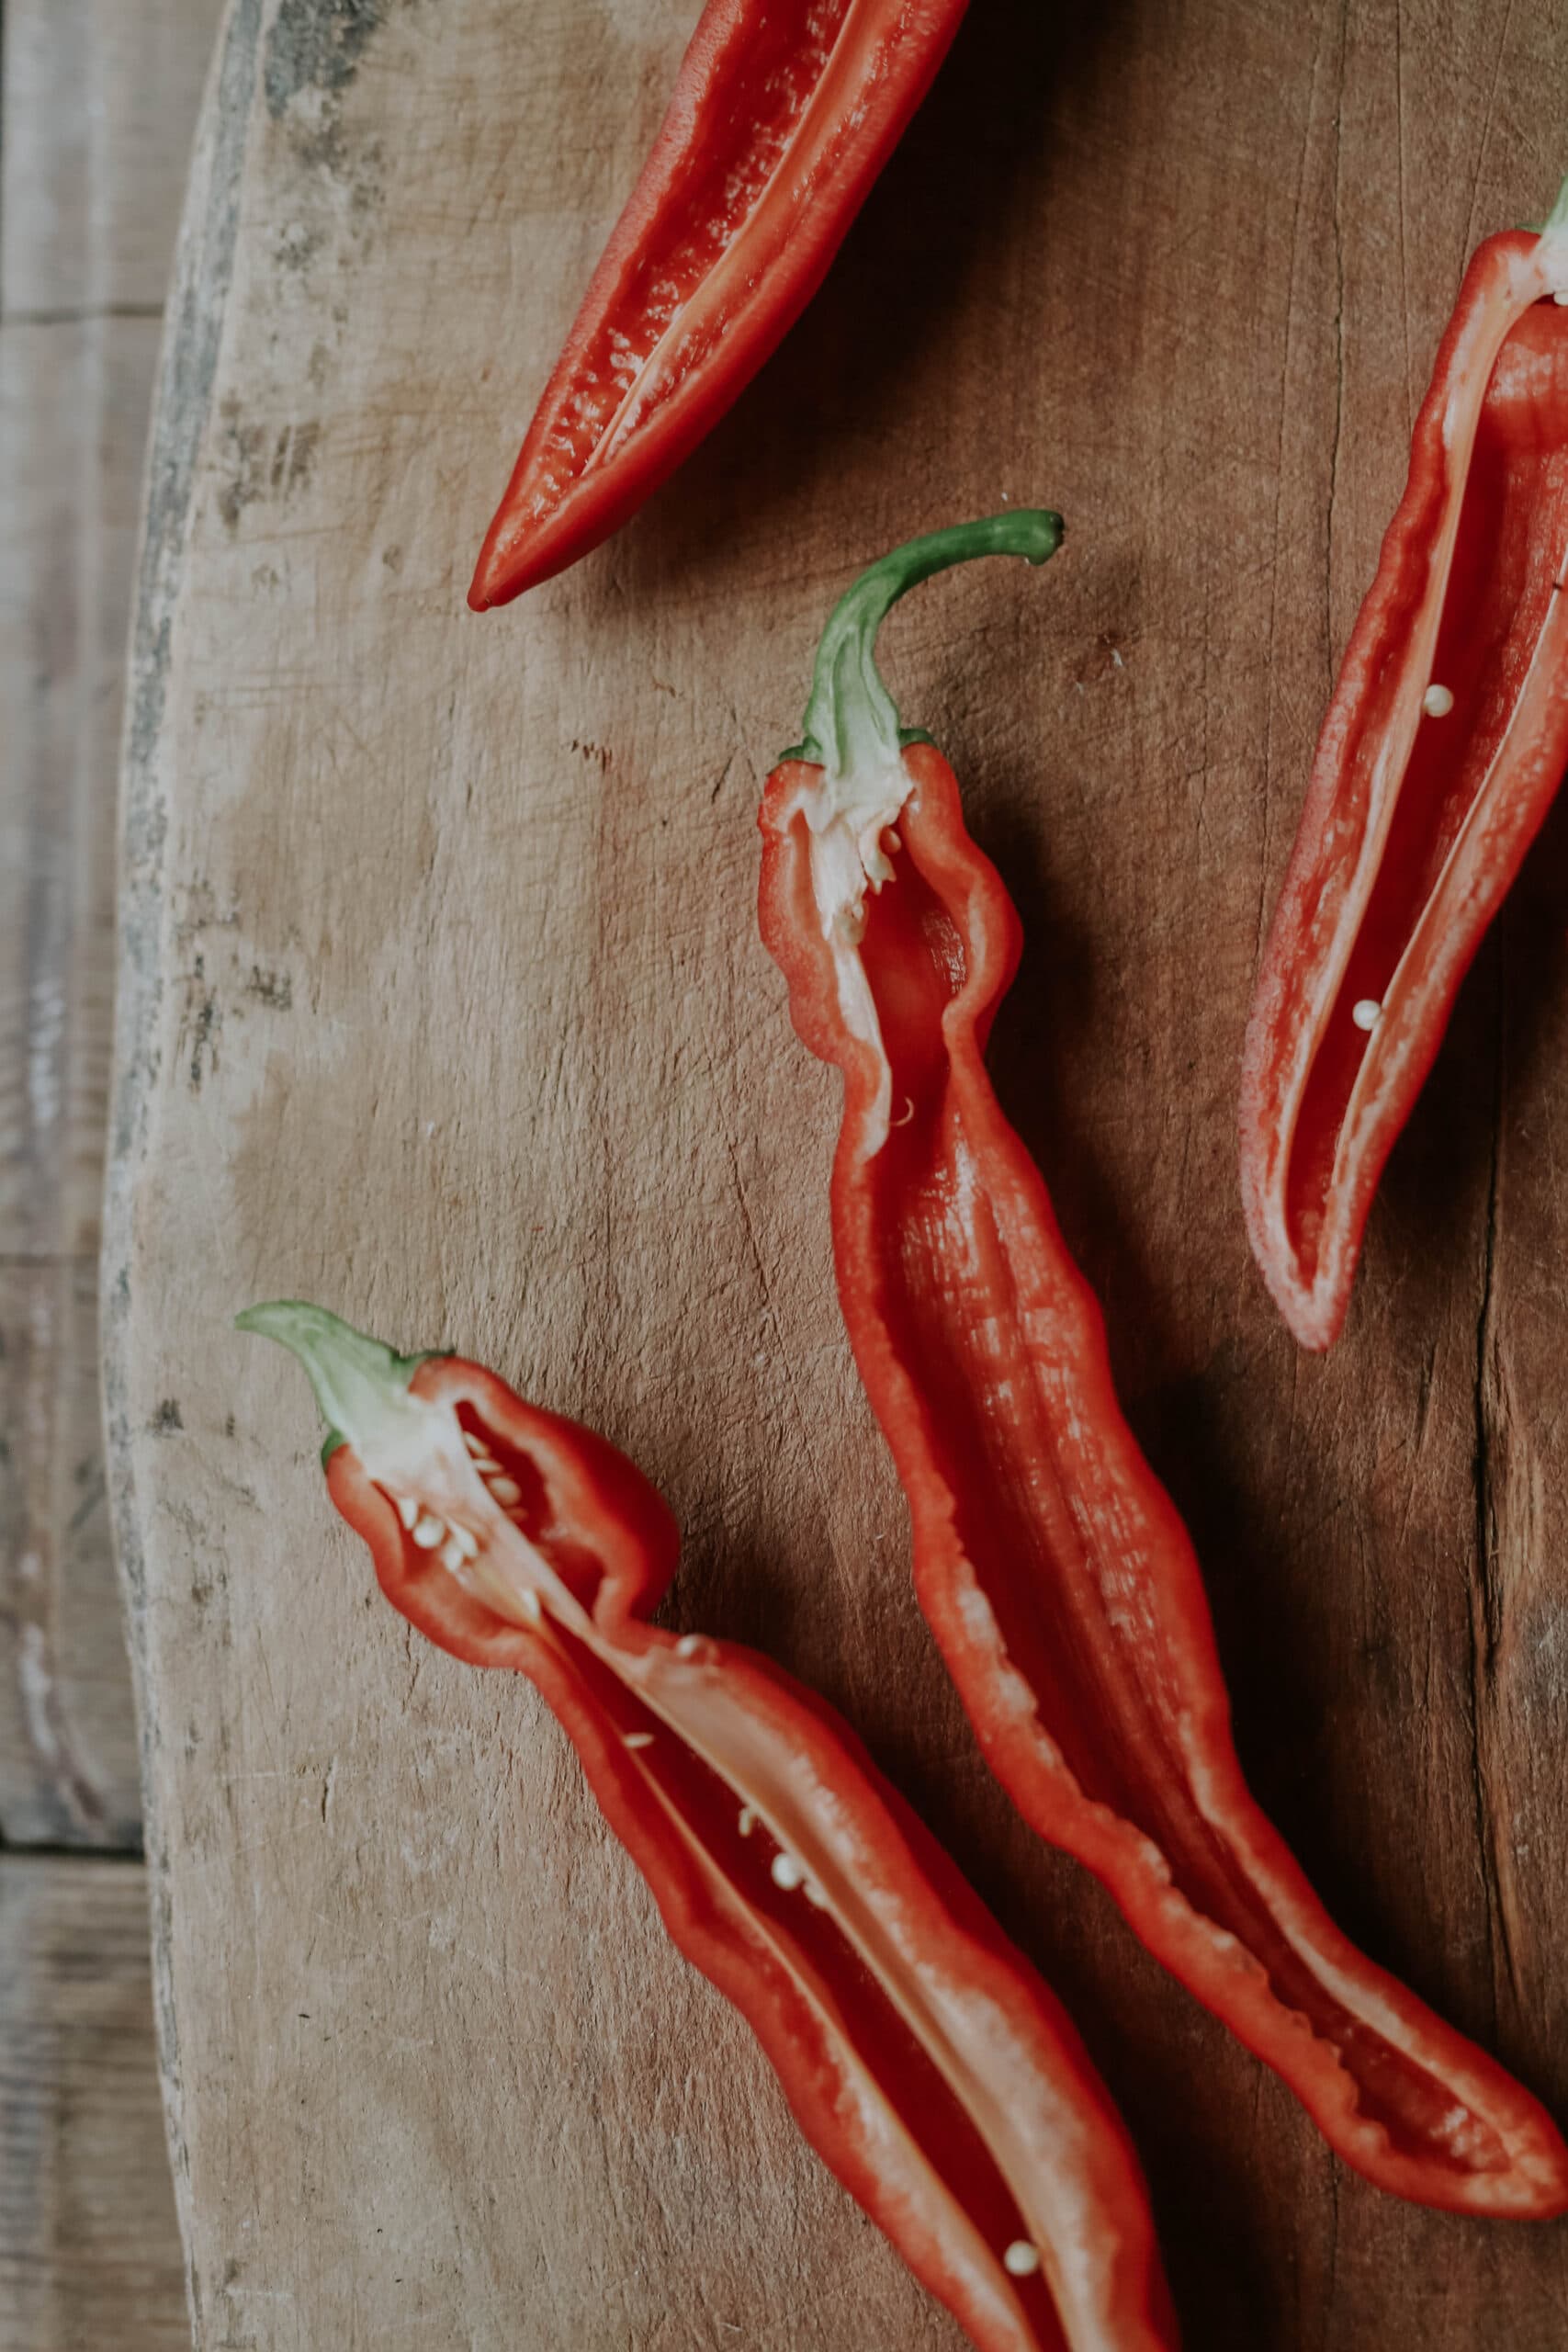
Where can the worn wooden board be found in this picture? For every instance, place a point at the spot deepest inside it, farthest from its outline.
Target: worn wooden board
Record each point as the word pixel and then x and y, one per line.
pixel 100 102
pixel 89 2254
pixel 97 104
pixel 441 1001
pixel 75 394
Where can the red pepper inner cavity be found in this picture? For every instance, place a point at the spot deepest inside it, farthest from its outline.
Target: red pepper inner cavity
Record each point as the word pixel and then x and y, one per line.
pixel 1508 556
pixel 815 1951
pixel 534 1511
pixel 725 176
pixel 1083 1629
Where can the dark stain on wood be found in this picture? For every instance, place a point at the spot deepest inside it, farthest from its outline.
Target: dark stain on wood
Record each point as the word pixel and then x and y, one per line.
pixel 317 45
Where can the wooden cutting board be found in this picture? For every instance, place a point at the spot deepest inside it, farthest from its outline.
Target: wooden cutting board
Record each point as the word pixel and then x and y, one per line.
pixel 441 1003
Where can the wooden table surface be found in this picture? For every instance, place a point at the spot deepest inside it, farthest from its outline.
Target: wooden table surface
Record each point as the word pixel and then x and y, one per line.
pixel 441 1003
pixel 98 101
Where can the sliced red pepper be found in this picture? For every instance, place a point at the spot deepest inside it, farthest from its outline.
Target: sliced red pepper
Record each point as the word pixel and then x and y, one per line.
pixel 924 2058
pixel 1053 1569
pixel 1442 750
pixel 783 114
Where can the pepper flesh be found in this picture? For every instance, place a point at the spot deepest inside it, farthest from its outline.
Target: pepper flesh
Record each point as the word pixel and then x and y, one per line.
pixel 783 114
pixel 1420 810
pixel 1053 1569
pixel 922 2057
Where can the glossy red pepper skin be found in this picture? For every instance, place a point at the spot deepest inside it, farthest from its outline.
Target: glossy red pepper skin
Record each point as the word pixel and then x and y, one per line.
pixel 783 116
pixel 1055 1572
pixel 857 2069
pixel 1416 823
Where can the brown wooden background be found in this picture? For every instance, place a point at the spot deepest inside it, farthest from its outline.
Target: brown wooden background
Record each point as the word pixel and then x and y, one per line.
pixel 443 1002
pixel 97 104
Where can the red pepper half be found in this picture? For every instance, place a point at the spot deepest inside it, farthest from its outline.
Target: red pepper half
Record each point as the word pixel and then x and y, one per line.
pixel 1053 1569
pixel 1442 753
pixel 783 116
pixel 924 2058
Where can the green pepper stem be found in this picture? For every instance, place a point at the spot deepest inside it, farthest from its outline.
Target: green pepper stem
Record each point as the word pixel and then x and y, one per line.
pixel 851 721
pixel 359 1384
pixel 1556 222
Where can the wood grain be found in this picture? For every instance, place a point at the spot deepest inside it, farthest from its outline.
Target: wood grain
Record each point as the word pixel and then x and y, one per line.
pixel 101 98
pixel 98 102
pixel 441 1001
pixel 97 98
pixel 82 2163
pixel 73 401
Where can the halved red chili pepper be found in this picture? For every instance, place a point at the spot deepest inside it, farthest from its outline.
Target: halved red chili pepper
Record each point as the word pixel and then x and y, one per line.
pixel 924 2058
pixel 1442 750
pixel 783 114
pixel 1053 1567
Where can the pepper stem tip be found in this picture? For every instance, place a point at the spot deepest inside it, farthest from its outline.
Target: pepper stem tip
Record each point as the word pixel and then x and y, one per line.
pixel 357 1380
pixel 1555 224
pixel 852 720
